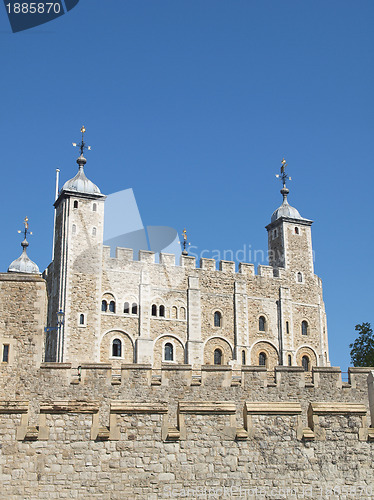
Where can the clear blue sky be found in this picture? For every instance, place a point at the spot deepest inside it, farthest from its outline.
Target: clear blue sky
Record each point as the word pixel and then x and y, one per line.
pixel 193 104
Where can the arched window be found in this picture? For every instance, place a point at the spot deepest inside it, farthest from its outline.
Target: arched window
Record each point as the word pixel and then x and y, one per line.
pixel 104 306
pixel 75 205
pixel 174 312
pixel 154 310
pixel 289 360
pixel 305 363
pixel 81 319
pixel 218 357
pixel 168 352
pixel 243 357
pixel 182 313
pixel 94 231
pixel 304 327
pixel 162 311
pixel 117 348
pixel 296 230
pixel 261 323
pixel 112 306
pixel 74 229
pixel 262 359
pixel 126 308
pixel 94 207
pixel 217 319
pixel 299 277
pixel 134 308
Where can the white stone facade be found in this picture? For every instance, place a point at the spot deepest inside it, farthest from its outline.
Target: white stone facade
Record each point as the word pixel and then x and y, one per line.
pixel 124 310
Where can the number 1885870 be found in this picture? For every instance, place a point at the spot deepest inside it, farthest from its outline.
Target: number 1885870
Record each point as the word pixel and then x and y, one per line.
pixel 34 8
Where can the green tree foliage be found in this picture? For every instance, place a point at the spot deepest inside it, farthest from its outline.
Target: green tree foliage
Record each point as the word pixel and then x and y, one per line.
pixel 362 349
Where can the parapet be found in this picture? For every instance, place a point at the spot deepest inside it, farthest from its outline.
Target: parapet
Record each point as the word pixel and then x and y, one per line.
pixel 188 262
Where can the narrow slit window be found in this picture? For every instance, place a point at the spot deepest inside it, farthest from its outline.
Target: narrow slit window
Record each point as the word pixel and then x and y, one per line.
pixel 104 306
pixel 289 360
pixel 287 327
pixel 126 308
pixel 217 319
pixel 261 323
pixel 304 328
pixel 94 231
pixel 296 230
pixel 299 277
pixel 154 310
pixel 162 311
pixel 134 308
pixel 112 306
pixel 94 207
pixel 75 205
pixel 243 357
pixel 81 319
pixel 6 353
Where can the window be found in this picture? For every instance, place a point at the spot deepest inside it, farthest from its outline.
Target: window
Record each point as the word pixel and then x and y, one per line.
pixel 299 277
pixel 74 229
pixel 261 323
pixel 168 352
pixel 154 310
pixel 112 306
pixel 304 328
pixel 94 207
pixel 94 231
pixel 217 319
pixel 287 327
pixel 6 353
pixel 182 313
pixel 262 359
pixel 116 348
pixel 104 306
pixel 218 357
pixel 275 233
pixel 305 363
pixel 75 205
pixel 174 312
pixel 296 230
pixel 81 319
pixel 243 357
pixel 162 311
pixel 289 360
pixel 126 308
pixel 134 308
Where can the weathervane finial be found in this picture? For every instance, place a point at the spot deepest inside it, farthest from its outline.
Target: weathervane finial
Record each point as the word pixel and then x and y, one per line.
pixel 283 176
pixel 82 146
pixel 26 230
pixel 185 242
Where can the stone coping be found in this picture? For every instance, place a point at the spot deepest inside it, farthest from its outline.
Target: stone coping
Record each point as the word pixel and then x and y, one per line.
pixel 289 368
pixel 171 367
pixel 60 366
pixel 216 368
pixel 360 369
pixel 21 277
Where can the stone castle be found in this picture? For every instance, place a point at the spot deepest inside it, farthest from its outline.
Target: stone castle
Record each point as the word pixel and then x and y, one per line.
pixel 124 377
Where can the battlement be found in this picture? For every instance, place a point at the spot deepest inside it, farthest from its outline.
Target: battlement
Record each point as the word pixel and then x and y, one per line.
pixel 125 255
pixel 241 398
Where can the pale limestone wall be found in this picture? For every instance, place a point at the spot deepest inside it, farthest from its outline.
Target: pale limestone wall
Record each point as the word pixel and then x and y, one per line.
pixel 241 298
pixel 23 313
pixel 210 447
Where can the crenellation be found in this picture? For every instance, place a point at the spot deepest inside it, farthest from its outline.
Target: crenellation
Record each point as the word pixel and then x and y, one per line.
pixel 227 266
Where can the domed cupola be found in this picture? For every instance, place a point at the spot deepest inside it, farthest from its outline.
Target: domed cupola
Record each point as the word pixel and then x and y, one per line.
pixel 285 210
pixel 80 183
pixel 24 264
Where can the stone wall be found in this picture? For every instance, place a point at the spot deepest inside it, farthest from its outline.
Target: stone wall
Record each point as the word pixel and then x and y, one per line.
pixel 94 432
